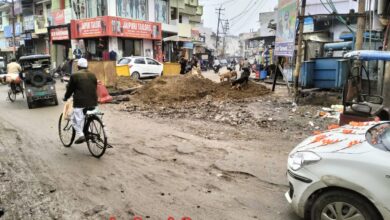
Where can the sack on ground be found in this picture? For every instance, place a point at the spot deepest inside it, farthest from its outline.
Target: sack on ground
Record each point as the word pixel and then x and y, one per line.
pixel 103 95
pixel 13 78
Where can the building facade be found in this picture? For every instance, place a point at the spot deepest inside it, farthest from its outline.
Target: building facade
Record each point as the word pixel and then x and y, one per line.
pixel 31 34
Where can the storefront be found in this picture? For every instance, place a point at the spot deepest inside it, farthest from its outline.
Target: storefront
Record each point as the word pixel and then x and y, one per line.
pixel 60 41
pixel 99 36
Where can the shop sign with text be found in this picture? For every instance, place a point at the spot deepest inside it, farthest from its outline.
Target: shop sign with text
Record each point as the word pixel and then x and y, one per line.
pixel 115 27
pixel 59 34
pixel 58 17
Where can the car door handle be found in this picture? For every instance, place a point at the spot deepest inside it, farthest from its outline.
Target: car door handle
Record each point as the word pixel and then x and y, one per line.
pixel 387 176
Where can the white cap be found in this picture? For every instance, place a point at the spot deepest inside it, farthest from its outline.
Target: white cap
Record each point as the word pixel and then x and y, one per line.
pixel 82 62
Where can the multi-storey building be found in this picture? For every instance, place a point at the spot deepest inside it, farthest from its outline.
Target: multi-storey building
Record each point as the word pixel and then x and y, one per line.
pixel 31 22
pixel 126 27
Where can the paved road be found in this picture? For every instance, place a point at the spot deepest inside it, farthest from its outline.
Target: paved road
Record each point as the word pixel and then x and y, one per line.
pixel 158 168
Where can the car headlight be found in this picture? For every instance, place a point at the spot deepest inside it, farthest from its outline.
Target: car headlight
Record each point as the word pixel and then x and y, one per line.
pixel 301 158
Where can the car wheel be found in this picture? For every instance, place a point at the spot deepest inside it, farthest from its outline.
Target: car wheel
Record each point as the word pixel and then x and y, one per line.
pixel 135 76
pixel 340 205
pixel 55 99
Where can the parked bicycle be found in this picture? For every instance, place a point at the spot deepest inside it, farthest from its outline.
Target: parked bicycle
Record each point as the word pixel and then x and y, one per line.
pixel 94 132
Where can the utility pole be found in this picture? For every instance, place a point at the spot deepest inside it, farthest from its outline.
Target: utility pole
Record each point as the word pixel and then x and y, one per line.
pixel 298 62
pixel 386 79
pixel 219 10
pixel 361 26
pixel 225 31
pixel 13 28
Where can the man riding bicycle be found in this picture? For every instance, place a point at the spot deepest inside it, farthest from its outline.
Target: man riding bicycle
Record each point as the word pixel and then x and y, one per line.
pixel 14 70
pixel 82 85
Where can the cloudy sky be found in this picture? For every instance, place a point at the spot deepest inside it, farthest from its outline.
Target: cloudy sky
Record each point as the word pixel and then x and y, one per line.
pixel 243 15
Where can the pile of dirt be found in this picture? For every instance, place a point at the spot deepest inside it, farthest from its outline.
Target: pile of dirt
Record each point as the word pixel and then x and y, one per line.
pixel 125 82
pixel 192 88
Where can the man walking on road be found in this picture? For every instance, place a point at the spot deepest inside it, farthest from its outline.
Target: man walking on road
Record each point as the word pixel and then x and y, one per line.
pixel 82 85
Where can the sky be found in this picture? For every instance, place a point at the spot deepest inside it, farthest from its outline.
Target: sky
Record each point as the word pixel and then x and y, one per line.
pixel 243 15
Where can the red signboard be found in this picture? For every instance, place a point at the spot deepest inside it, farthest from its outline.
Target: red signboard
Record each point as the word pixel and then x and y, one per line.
pixel 58 17
pixel 115 27
pixel 123 27
pixel 59 34
pixel 92 27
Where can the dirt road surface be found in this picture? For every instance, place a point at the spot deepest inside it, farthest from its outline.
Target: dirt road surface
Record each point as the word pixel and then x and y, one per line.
pixel 157 168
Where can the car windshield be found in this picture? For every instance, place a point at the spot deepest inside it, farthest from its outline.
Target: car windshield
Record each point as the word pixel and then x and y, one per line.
pixel 379 136
pixel 41 63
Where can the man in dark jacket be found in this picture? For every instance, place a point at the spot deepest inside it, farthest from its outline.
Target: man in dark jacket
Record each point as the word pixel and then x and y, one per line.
pixel 82 85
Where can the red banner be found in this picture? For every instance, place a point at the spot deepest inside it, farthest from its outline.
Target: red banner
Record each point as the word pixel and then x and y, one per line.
pixel 92 27
pixel 123 27
pixel 58 17
pixel 59 34
pixel 115 27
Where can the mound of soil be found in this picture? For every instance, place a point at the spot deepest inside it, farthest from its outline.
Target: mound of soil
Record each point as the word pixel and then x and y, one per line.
pixel 125 82
pixel 191 88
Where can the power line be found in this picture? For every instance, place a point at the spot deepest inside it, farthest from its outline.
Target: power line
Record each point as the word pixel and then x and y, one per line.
pixel 253 3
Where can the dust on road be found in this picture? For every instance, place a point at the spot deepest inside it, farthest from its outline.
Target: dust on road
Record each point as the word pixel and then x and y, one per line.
pixel 159 167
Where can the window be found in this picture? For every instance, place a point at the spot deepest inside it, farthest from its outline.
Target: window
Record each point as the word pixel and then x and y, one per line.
pixel 139 61
pixel 161 11
pixel 88 8
pixel 152 62
pixel 124 61
pixel 132 47
pixel 136 9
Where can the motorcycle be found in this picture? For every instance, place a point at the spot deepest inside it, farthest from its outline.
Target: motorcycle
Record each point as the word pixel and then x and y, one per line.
pixel 216 68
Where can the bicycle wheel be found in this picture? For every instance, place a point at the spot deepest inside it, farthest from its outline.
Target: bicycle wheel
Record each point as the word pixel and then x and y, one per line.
pixel 66 132
pixel 96 137
pixel 11 95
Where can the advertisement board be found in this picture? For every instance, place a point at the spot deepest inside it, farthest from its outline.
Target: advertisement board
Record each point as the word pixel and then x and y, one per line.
pixel 8 30
pixel 92 27
pixel 58 17
pixel 28 23
pixel 285 32
pixel 115 27
pixel 59 34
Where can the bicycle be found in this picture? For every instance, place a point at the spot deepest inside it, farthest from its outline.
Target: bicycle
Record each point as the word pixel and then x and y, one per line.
pixel 14 90
pixel 94 132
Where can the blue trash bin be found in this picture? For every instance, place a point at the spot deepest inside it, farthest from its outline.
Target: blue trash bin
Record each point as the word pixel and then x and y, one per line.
pixel 263 74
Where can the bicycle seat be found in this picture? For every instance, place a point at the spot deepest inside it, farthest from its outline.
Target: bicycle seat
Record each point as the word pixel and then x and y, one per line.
pixel 93 111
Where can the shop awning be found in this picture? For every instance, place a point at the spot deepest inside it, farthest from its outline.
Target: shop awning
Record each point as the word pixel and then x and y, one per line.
pixel 177 39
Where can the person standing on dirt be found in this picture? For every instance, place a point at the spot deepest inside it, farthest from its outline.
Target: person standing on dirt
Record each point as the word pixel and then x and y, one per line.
pixel 194 62
pixel 183 65
pixel 245 74
pixel 82 85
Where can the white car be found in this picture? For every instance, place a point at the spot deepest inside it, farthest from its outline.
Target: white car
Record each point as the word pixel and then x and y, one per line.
pixel 141 67
pixel 343 173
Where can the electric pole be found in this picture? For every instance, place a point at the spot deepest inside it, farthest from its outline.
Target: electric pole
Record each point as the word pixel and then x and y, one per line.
pixel 219 10
pixel 298 62
pixel 225 29
pixel 13 29
pixel 361 26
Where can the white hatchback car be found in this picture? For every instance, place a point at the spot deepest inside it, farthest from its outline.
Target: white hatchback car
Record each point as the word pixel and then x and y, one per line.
pixel 342 174
pixel 141 67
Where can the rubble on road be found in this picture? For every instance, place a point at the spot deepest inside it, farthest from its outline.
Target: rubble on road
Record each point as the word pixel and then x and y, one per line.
pixel 168 90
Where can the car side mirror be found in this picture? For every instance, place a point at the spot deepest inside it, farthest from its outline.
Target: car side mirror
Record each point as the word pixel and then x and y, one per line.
pixel 361 108
pixel 373 99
